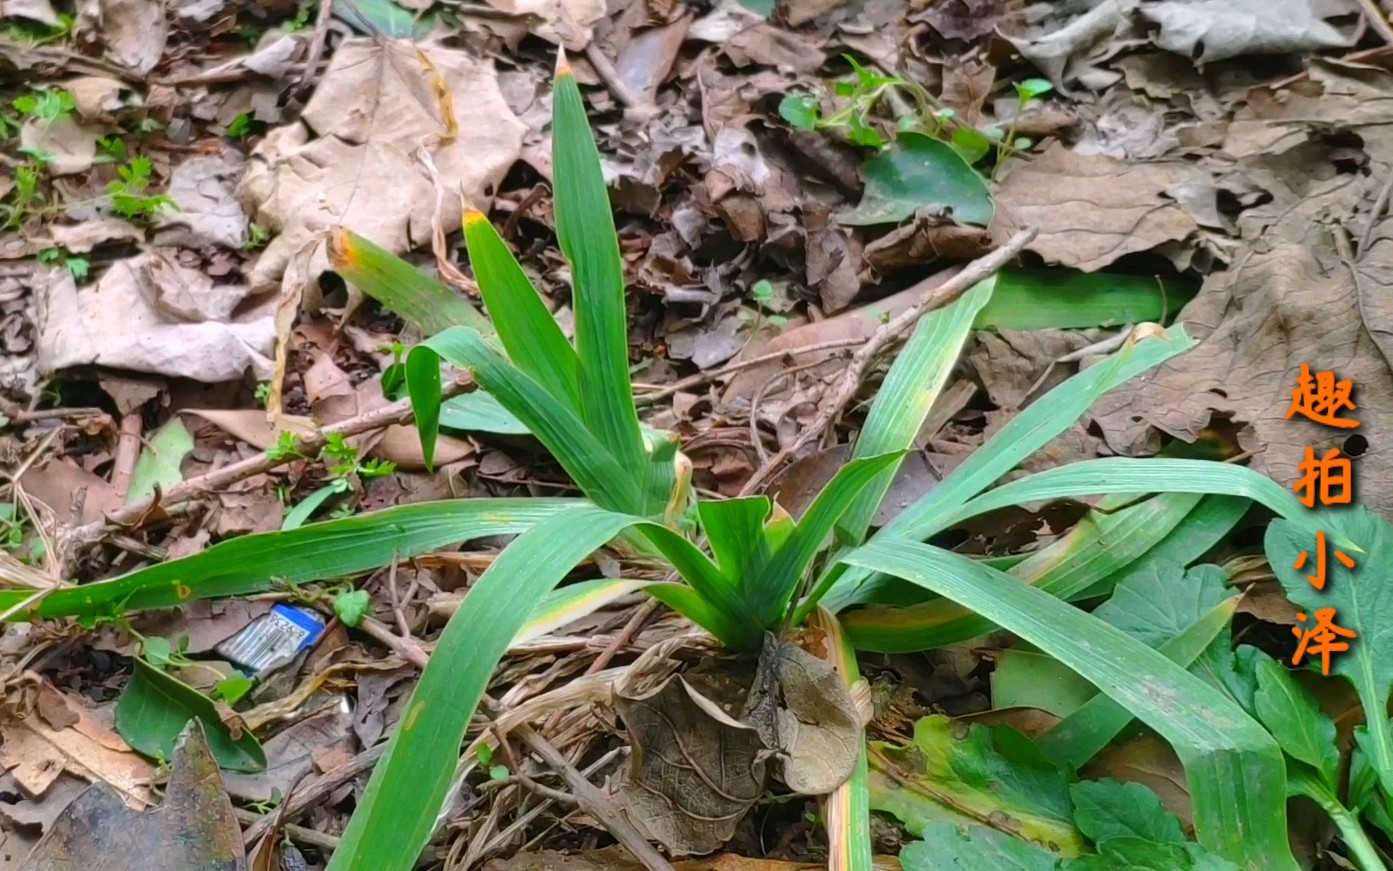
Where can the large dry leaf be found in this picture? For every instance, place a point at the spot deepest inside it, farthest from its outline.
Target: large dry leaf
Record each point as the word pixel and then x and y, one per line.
pixel 695 770
pixel 1288 302
pixel 60 736
pixel 1092 209
pixel 206 211
pixel 69 144
pixel 1215 30
pixel 194 830
pixel 135 32
pixel 801 707
pixel 349 160
pixel 122 324
pixel 567 22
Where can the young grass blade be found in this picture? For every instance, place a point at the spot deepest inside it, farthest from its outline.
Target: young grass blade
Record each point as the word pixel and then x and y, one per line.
pixel 423 302
pixel 1084 733
pixel 394 820
pixel 689 603
pixel 251 563
pixel 719 591
pixel 534 342
pixel 1127 475
pixel 769 592
pixel 1234 768
pixel 596 471
pixel 1027 432
pixel 847 811
pixel 585 230
pixel 735 530
pixel 907 394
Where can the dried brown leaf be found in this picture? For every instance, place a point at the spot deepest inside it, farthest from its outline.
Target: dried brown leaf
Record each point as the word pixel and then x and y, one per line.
pixel 695 770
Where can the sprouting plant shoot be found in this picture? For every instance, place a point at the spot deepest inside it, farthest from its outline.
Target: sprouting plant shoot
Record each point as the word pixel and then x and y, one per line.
pixel 130 194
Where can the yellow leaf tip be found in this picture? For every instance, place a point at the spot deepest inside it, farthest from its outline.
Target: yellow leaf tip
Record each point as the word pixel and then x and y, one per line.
pixel 474 217
pixel 563 66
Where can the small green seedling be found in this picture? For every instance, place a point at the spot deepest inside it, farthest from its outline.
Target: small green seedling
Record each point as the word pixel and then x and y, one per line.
pixel 79 265
pixel 130 194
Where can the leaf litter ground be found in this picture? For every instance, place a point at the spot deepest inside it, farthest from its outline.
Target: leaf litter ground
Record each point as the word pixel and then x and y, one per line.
pixel 171 303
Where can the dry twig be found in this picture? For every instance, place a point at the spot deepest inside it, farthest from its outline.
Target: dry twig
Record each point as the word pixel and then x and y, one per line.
pixel 948 292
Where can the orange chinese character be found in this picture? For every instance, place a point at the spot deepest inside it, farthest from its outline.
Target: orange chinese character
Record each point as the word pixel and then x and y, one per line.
pixel 1324 634
pixel 1330 473
pixel 1318 579
pixel 1322 398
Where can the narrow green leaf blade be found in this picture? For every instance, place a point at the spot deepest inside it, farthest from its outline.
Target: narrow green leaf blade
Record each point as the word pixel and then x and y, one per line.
pixel 393 822
pixel 154 708
pixel 1026 433
pixel 252 563
pixel 908 392
pixel 596 471
pixel 735 530
pixel 585 230
pixel 422 301
pixel 1235 770
pixel 530 335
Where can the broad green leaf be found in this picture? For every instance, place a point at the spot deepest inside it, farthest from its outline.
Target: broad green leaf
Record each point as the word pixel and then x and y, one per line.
pixel 919 172
pixel 422 301
pixel 769 593
pixel 1107 809
pixel 158 464
pixel 394 819
pixel 947 847
pixel 984 774
pixel 1138 854
pixel 251 563
pixel 1157 605
pixel 1039 299
pixel 686 601
pixel 154 707
pixel 1025 678
pixel 1363 603
pixel 800 110
pixel 1091 726
pixel 384 18
pixel 1296 720
pixel 532 338
pixel 1025 434
pixel 1235 770
pixel 906 395
pixel 735 530
pixel 480 412
pixel 596 471
pixel 585 231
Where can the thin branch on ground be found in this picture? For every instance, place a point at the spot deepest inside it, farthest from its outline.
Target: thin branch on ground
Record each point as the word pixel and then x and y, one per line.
pixel 890 332
pixel 701 378
pixel 129 516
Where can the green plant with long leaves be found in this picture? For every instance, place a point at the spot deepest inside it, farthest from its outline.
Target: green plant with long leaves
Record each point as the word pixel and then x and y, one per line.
pixel 764 570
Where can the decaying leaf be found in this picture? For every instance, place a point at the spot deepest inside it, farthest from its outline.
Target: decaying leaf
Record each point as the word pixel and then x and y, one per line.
pixel 68 145
pixel 194 830
pixel 990 776
pixel 121 323
pixel 36 751
pixel 205 212
pixel 134 32
pixel 695 770
pixel 801 707
pixel 1214 30
pixel 348 160
pixel 1091 210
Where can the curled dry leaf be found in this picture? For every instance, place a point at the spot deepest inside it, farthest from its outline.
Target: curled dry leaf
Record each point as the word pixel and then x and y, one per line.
pixel 69 145
pixel 206 211
pixel 348 160
pixel 695 770
pixel 194 830
pixel 802 707
pixel 120 323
